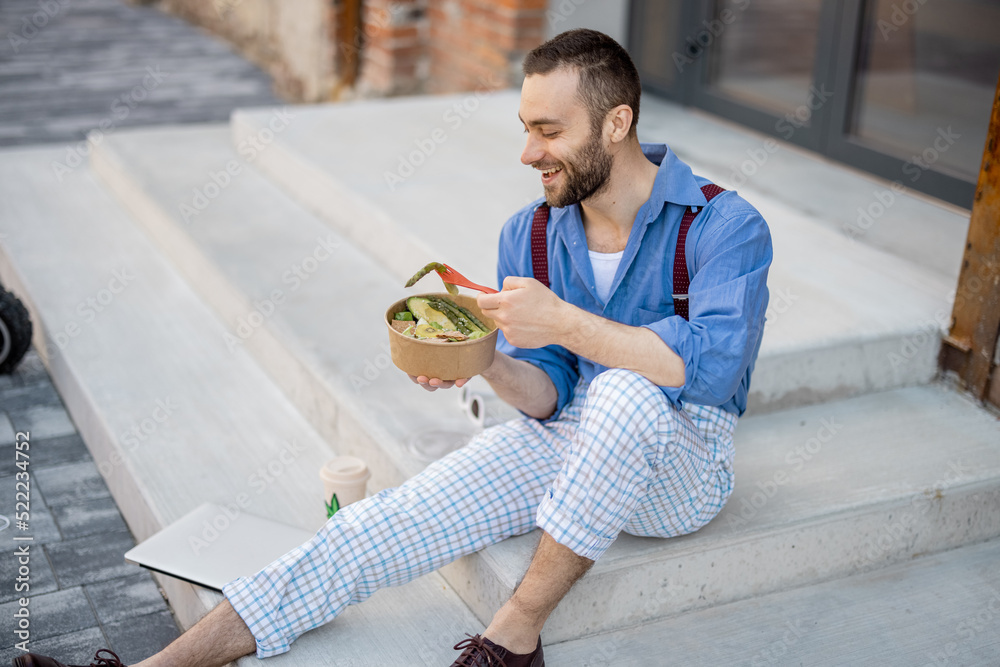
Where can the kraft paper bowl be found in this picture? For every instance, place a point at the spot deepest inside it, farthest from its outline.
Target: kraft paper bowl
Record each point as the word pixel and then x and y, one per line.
pixel 447 361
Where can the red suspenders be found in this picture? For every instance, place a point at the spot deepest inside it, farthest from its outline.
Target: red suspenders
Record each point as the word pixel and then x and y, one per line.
pixel 540 254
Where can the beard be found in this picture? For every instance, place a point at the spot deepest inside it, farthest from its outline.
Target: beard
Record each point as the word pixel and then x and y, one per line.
pixel 587 173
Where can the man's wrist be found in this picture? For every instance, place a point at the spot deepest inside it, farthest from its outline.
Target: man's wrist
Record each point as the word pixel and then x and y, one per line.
pixel 575 325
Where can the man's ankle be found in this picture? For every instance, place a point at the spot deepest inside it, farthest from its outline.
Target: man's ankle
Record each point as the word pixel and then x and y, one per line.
pixel 512 631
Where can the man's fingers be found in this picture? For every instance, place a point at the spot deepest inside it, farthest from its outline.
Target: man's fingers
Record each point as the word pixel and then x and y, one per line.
pixel 430 384
pixel 488 301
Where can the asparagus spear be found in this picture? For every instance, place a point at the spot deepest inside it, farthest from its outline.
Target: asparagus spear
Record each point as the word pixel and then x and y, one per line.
pixel 433 266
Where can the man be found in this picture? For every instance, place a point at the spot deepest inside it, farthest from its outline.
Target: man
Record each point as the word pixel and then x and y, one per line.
pixel 629 407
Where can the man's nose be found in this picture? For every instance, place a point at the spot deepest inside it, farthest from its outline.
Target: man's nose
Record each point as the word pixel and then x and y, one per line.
pixel 533 151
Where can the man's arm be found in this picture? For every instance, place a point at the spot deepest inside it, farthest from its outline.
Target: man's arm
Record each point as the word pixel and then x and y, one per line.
pixel 523 385
pixel 532 316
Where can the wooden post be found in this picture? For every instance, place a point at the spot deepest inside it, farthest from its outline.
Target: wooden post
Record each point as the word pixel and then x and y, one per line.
pixel 970 349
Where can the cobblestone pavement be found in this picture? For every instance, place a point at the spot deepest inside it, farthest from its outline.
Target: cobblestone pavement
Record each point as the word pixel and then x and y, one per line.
pixel 71 66
pixel 83 596
pixel 68 67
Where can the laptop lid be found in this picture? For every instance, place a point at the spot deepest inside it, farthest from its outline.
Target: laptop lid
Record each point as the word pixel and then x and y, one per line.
pixel 212 545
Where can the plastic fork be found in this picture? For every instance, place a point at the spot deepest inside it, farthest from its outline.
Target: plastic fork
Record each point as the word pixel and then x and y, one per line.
pixel 453 277
pixel 450 277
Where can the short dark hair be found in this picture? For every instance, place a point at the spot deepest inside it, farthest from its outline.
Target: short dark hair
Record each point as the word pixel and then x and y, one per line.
pixel 608 76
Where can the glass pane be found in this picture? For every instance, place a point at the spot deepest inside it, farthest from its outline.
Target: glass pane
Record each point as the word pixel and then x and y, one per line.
pixel 765 53
pixel 926 76
pixel 658 40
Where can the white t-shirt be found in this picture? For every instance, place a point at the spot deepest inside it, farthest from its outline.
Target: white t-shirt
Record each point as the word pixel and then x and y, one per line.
pixel 605 266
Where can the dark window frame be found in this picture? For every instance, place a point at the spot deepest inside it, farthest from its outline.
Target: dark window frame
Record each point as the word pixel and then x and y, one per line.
pixel 828 131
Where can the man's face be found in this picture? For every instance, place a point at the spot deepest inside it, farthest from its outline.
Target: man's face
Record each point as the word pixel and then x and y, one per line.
pixel 561 142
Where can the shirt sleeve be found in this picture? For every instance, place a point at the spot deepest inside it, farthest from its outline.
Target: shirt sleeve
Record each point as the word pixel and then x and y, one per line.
pixel 557 362
pixel 727 300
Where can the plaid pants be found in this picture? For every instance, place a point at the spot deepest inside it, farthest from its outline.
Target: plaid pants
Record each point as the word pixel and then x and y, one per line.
pixel 618 457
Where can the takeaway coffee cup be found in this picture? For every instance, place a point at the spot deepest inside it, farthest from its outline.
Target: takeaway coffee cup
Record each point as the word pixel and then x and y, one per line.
pixel 344 477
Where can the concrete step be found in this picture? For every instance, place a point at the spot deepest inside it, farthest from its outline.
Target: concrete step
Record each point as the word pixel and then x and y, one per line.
pixel 443 174
pixel 821 492
pixel 932 610
pixel 836 469
pixel 296 295
pixel 172 415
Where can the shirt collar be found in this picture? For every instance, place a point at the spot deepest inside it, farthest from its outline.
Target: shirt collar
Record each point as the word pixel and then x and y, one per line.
pixel 674 181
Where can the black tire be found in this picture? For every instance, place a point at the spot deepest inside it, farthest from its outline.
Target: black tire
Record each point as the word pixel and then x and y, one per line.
pixel 15 332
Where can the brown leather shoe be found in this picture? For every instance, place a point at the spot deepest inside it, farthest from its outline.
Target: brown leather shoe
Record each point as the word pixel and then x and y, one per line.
pixel 35 660
pixel 481 652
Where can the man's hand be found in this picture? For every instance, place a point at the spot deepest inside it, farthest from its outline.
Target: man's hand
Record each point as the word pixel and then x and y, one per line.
pixel 433 384
pixel 529 313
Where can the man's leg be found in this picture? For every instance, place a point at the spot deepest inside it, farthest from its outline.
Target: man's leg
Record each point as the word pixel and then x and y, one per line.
pixel 472 498
pixel 217 639
pixel 630 441
pixel 553 571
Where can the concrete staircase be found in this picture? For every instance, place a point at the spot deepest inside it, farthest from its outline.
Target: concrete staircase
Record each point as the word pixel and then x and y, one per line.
pixel 254 262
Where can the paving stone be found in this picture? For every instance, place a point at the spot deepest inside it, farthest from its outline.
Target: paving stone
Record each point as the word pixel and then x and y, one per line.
pixel 45 453
pixel 136 639
pixel 76 648
pixel 6 433
pixel 89 517
pixel 71 483
pixel 51 614
pixel 38 393
pixel 41 524
pixel 88 560
pixel 31 369
pixel 44 421
pixel 83 59
pixel 40 577
pixel 128 597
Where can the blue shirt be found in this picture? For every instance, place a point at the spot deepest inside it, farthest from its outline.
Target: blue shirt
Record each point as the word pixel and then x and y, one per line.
pixel 728 255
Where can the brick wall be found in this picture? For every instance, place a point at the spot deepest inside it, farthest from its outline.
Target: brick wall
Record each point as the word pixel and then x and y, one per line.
pixel 441 46
pixel 479 44
pixel 318 50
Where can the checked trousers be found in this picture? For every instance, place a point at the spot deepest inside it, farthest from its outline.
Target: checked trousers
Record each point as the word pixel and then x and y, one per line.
pixel 618 457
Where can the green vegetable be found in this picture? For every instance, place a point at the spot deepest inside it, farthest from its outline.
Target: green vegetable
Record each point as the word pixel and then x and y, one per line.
pixel 466 322
pixel 422 309
pixel 405 315
pixel 433 266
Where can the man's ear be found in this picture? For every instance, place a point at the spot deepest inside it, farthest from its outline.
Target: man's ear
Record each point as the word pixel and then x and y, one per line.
pixel 620 121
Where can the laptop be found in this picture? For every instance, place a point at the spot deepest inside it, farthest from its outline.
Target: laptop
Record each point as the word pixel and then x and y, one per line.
pixel 212 545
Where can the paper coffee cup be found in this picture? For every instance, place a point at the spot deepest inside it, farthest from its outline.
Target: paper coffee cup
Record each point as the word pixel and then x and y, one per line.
pixel 345 476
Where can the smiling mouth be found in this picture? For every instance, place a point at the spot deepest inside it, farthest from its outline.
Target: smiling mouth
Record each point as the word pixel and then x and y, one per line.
pixel 549 174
